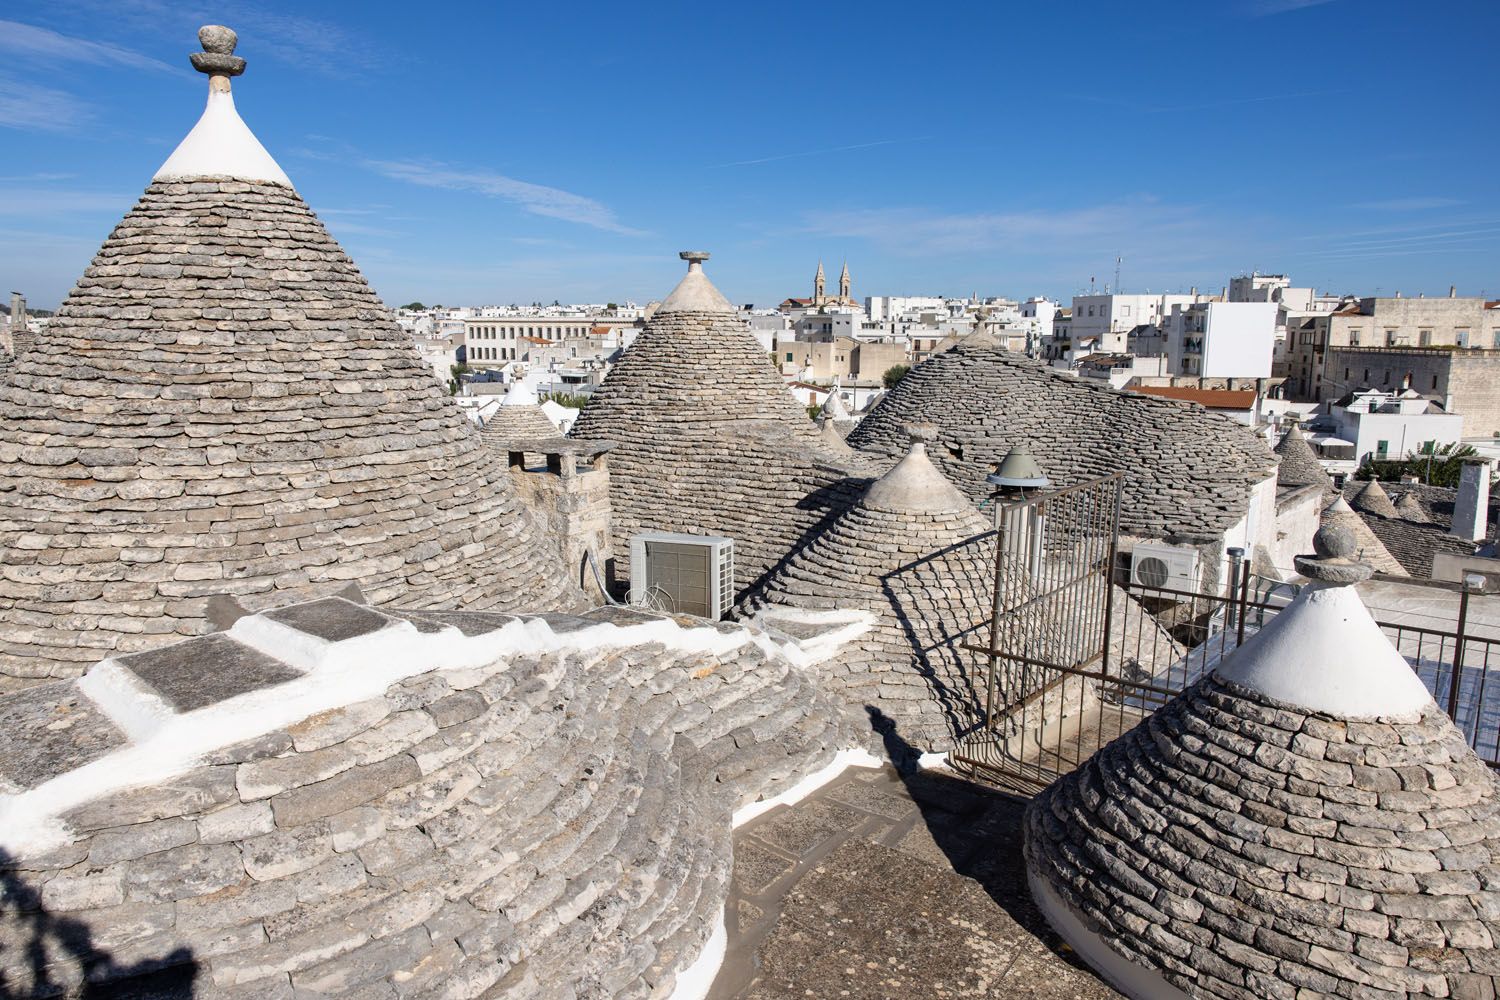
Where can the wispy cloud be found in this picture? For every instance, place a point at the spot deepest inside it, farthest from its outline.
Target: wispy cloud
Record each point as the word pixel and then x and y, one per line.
pixel 538 199
pixel 48 203
pixel 30 41
pixel 916 232
pixel 819 152
pixel 1415 204
pixel 1265 8
pixel 32 107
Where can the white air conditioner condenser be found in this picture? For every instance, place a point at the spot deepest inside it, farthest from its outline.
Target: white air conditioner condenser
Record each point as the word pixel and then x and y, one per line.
pixel 1164 567
pixel 682 573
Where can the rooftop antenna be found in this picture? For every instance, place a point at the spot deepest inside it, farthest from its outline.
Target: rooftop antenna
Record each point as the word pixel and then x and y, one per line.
pixel 1118 261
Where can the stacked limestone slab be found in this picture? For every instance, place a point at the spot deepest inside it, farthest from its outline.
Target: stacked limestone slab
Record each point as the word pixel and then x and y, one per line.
pixel 1190 472
pixel 514 824
pixel 1367 545
pixel 915 553
pixel 711 441
pixel 1305 821
pixel 223 408
pixel 1299 465
pixel 518 418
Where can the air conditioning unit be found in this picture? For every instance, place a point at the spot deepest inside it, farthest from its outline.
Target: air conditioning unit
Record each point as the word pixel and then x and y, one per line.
pixel 1157 566
pixel 684 574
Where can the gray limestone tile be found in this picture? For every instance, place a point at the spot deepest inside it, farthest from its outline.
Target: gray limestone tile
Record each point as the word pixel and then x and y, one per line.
pixel 611 615
pixel 48 730
pixel 470 623
pixel 755 868
pixel 867 797
pixel 332 619
pixel 800 830
pixel 562 624
pixel 206 670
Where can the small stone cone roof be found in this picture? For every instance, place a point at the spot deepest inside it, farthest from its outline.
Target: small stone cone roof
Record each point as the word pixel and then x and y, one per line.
pixel 1299 465
pixel 1373 499
pixel 518 418
pixel 710 439
pixel 1304 816
pixel 834 406
pixel 917 553
pixel 1189 471
pixel 1368 546
pixel 223 408
pixel 1409 508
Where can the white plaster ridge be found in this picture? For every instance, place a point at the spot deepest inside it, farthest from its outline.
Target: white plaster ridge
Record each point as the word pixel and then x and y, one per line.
pixel 695 293
pixel 221 145
pixel 165 743
pixel 1325 653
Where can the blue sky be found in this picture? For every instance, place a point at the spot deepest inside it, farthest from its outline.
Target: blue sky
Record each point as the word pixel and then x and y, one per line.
pixel 480 152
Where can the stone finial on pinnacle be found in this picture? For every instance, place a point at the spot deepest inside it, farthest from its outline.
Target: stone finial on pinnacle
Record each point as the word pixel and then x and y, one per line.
pixel 922 433
pixel 1335 560
pixel 695 258
pixel 217 58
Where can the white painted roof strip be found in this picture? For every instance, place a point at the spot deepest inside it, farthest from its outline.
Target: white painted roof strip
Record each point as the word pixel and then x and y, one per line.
pixel 221 145
pixel 1325 653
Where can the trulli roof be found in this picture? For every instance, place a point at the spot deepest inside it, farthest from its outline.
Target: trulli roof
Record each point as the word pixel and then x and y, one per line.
pixel 1190 472
pixel 223 408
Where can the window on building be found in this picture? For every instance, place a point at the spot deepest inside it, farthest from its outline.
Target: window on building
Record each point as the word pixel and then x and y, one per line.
pixel 1424 338
pixel 1367 376
pixel 1124 310
pixel 1387 376
pixel 1461 337
pixel 1381 448
pixel 1346 374
pixel 1434 381
pixel 789 355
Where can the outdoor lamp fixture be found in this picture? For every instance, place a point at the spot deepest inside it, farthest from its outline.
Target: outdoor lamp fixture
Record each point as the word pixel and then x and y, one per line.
pixel 1017 473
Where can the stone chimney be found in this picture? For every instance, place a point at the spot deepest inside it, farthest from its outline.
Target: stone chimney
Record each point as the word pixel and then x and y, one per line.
pixel 1452 291
pixel 20 337
pixel 1471 511
pixel 571 499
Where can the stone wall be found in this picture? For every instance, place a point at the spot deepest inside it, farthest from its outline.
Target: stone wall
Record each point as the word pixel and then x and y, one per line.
pixel 544 825
pixel 1463 381
pixel 570 500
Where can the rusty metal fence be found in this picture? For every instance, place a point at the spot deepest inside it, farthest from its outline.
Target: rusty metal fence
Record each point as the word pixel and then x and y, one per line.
pixel 1078 653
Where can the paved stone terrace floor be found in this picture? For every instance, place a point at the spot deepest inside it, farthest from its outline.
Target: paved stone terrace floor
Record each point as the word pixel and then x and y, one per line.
pixel 889 886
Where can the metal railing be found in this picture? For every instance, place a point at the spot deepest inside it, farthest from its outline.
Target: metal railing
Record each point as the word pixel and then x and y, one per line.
pixel 1455 664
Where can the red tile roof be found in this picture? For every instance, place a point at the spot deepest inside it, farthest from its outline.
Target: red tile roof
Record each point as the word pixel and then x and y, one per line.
pixel 1219 399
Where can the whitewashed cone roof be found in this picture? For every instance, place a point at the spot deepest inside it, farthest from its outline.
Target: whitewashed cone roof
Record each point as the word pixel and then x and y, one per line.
pixel 223 408
pixel 1305 817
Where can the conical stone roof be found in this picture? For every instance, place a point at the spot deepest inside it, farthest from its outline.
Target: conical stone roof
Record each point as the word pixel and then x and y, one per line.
pixel 1373 499
pixel 1190 472
pixel 222 407
pixel 1299 465
pixel 1367 545
pixel 917 554
pixel 1303 820
pixel 710 439
pixel 519 417
pixel 1409 508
